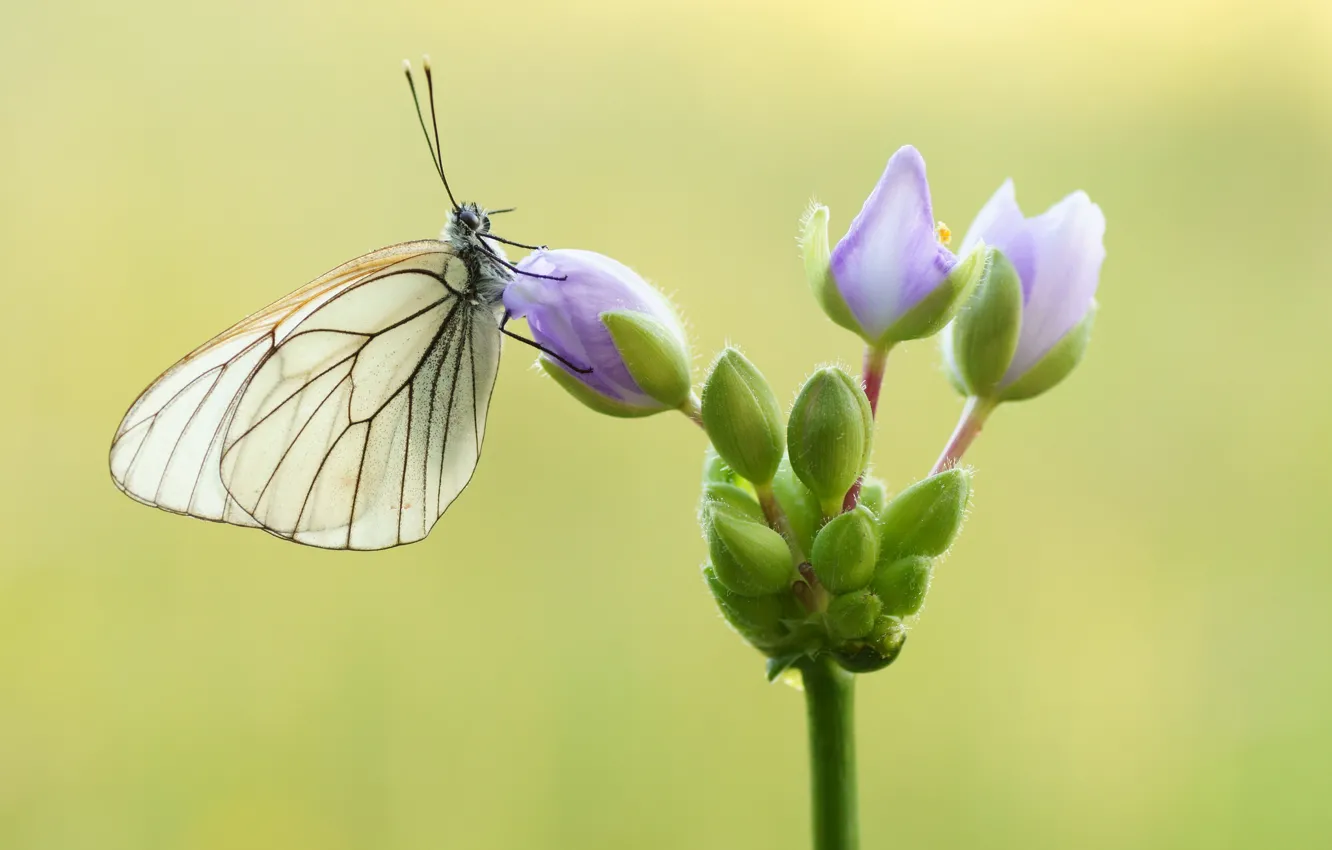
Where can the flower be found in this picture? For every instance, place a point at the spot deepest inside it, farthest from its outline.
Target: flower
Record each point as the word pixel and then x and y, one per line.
pixel 891 278
pixel 1057 257
pixel 610 339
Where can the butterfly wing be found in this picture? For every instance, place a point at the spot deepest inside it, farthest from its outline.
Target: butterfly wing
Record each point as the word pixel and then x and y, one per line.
pixel 361 440
pixel 349 414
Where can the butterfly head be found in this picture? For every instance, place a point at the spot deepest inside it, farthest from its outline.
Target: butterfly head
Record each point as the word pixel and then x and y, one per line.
pixel 469 227
pixel 473 218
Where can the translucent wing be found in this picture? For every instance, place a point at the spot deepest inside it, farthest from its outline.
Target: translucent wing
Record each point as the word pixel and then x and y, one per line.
pixel 347 415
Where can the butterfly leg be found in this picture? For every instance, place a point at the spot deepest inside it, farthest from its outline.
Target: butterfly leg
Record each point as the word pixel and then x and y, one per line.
pixel 523 245
pixel 538 346
pixel 511 267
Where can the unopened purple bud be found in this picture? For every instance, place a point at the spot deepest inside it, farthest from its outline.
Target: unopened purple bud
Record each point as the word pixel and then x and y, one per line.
pixel 613 340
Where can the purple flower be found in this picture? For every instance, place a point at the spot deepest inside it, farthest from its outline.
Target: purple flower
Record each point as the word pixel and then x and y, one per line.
pixel 1057 256
pixel 889 279
pixel 605 318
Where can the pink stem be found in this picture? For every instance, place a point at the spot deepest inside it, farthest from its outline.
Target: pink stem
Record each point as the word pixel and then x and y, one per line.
pixel 871 380
pixel 872 377
pixel 974 414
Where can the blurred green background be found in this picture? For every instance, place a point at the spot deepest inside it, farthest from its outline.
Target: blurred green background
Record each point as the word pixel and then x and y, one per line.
pixel 1129 647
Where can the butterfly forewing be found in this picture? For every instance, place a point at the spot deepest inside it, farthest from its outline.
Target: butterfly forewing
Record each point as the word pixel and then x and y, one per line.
pixel 349 414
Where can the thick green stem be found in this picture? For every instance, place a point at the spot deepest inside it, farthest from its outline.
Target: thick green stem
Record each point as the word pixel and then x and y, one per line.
pixel 830 704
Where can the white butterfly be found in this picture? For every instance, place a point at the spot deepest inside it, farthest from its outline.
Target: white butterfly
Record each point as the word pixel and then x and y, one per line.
pixel 347 415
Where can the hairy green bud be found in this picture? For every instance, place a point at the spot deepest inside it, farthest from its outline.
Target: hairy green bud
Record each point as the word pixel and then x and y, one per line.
pixel 749 558
pixel 873 494
pixel 742 417
pixel 715 469
pixel 830 435
pixel 902 585
pixel 799 504
pixel 880 647
pixel 733 498
pixel 852 615
pixel 925 518
pixel 845 551
pixel 758 619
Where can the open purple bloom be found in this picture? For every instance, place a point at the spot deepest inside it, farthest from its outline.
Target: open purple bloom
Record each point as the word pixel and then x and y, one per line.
pixel 891 260
pixel 605 318
pixel 1057 256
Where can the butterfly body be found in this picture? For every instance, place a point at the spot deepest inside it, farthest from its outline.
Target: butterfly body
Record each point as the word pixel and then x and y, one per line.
pixel 484 262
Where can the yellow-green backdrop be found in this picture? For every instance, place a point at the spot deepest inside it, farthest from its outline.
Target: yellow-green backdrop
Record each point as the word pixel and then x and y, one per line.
pixel 1128 648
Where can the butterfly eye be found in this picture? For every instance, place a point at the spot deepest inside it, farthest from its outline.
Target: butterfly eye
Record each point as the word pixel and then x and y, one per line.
pixel 469 217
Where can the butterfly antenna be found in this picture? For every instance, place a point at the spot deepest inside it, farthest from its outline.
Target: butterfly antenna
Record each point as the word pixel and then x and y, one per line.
pixel 439 151
pixel 435 157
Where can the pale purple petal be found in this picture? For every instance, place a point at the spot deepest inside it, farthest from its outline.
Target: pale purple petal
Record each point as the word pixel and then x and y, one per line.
pixel 1067 250
pixel 891 258
pixel 1001 225
pixel 565 315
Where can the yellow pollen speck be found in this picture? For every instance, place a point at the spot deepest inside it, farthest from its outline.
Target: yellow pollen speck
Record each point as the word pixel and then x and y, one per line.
pixel 945 235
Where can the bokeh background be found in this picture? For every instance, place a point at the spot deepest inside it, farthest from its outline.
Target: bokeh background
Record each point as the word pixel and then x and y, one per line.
pixel 1128 648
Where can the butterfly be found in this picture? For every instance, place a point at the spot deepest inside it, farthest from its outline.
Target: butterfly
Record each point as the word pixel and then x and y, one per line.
pixel 348 414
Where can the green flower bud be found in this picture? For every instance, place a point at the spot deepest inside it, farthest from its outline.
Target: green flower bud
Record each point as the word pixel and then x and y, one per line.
pixel 742 418
pixel 1055 365
pixel 937 309
pixel 902 585
pixel 799 504
pixel 653 353
pixel 715 469
pixel 749 558
pixel 735 499
pixel 758 619
pixel 830 435
pixel 853 615
pixel 881 647
pixel 873 494
pixel 924 518
pixel 885 626
pixel 845 551
pixel 980 343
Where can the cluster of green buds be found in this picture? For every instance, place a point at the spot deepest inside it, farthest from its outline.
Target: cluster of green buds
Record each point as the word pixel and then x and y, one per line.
pixel 796 571
pixel 807 555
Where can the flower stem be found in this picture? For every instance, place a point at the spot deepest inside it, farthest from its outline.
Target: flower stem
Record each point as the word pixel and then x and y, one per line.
pixel 974 414
pixel 871 379
pixel 693 408
pixel 830 706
